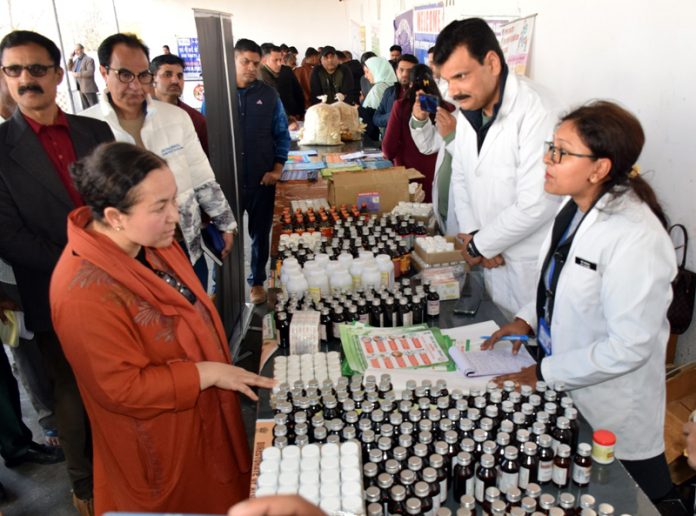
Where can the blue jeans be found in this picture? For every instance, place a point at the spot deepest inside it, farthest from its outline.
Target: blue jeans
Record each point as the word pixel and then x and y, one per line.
pixel 200 267
pixel 258 203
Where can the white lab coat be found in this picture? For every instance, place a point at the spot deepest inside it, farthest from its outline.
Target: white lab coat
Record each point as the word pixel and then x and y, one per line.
pixel 609 328
pixel 499 191
pixel 429 141
pixel 169 133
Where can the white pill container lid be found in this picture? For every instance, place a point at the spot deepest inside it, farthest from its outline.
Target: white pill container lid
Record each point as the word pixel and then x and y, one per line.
pixel 287 479
pixel 350 475
pixel 290 466
pixel 271 453
pixel 330 450
pixel 330 476
pixel 291 452
pixel 309 478
pixel 351 488
pixel 330 505
pixel 287 490
pixel 330 490
pixel 267 480
pixel 310 450
pixel 269 466
pixel 309 464
pixel 349 448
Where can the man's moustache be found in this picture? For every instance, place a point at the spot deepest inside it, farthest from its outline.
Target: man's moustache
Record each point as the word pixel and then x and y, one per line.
pixel 30 87
pixel 461 97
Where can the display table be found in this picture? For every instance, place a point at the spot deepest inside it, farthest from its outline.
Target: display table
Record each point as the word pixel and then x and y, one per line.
pixel 288 191
pixel 609 483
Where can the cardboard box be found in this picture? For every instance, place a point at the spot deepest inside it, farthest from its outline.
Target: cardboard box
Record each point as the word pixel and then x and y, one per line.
pixel 443 257
pixel 681 402
pixel 387 186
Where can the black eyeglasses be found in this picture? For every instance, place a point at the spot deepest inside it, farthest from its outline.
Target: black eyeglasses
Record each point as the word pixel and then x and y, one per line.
pixel 35 70
pixel 557 153
pixel 179 286
pixel 126 76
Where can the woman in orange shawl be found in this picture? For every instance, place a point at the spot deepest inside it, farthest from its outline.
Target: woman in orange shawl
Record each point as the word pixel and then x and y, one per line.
pixel 147 346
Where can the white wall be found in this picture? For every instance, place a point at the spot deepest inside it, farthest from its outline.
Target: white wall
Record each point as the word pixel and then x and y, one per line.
pixel 301 23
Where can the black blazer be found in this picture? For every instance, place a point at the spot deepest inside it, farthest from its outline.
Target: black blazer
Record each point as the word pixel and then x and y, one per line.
pixel 34 207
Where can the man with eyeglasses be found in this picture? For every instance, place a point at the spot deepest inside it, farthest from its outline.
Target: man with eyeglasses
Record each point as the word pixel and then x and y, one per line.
pixel 497 169
pixel 37 145
pixel 168 85
pixel 166 130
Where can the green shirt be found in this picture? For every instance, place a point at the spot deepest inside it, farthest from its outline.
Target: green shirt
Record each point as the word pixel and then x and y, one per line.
pixel 444 173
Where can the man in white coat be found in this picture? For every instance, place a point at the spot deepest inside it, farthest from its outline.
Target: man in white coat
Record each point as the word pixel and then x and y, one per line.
pixel 497 170
pixel 166 130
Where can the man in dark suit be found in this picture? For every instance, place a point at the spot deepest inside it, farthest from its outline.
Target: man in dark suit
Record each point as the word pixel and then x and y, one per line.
pixel 81 66
pixel 37 145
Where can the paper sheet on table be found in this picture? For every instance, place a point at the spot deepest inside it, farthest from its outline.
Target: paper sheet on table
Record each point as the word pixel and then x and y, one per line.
pixel 494 362
pixel 472 362
pixel 471 334
pixel 462 336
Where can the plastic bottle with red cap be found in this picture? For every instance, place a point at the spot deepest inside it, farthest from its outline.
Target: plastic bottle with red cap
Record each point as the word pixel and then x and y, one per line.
pixel 603 442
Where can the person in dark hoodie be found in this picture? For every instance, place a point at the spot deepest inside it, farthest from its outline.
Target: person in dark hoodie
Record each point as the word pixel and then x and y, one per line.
pixel 330 77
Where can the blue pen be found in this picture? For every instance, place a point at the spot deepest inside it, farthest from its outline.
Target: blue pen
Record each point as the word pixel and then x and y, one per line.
pixel 508 337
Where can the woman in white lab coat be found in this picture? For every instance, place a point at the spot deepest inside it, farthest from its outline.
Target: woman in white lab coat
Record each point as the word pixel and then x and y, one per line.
pixel 600 317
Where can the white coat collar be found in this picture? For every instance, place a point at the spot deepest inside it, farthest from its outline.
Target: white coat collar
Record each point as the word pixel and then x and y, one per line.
pixel 109 113
pixel 512 87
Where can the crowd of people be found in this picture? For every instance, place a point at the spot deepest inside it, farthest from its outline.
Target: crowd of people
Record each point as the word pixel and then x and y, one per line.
pixel 102 218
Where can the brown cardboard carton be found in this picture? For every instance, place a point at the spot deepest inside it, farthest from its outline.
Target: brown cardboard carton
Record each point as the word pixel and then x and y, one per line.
pixel 388 186
pixel 443 257
pixel 681 402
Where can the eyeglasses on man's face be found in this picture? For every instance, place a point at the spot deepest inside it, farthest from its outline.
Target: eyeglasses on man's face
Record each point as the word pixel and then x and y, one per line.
pixel 35 70
pixel 126 76
pixel 556 153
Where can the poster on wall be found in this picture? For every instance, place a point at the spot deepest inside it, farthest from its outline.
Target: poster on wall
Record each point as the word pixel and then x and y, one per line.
pixel 516 41
pixel 427 23
pixel 403 31
pixel 357 39
pixel 187 49
pixel 374 39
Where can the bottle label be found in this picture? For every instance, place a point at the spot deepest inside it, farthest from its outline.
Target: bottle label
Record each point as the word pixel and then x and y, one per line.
pixel 336 331
pixel 443 491
pixel 581 474
pixel 315 292
pixel 433 308
pixel 507 480
pixel 436 503
pixel 545 471
pixel 357 281
pixel 469 489
pixel 384 279
pixel 524 477
pixel 560 476
pixel 364 318
pixel 322 332
pixel 394 319
pixel 408 319
pixel 554 445
pixel 479 488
